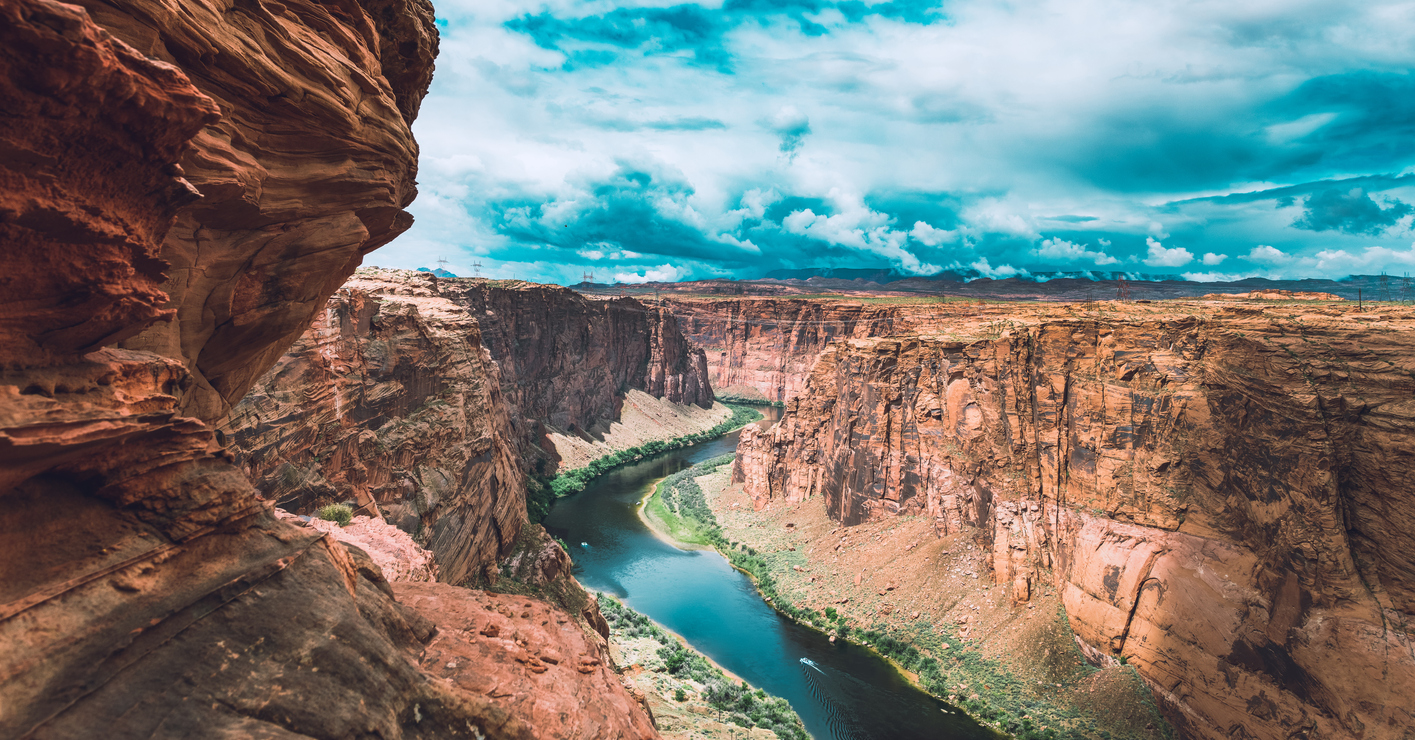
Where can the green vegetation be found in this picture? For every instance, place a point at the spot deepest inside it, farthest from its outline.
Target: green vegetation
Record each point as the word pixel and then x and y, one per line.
pixel 678 503
pixel 735 702
pixel 540 494
pixel 733 399
pixel 342 514
pixel 987 689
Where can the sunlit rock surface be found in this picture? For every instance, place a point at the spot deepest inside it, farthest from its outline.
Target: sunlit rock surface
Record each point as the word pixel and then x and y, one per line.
pixel 1220 495
pixel 146 590
pixel 423 399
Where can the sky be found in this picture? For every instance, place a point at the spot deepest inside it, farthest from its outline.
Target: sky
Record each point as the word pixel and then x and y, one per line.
pixel 1209 140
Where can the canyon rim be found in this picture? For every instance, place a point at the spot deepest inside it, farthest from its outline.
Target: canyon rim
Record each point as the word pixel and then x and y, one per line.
pixel 1211 490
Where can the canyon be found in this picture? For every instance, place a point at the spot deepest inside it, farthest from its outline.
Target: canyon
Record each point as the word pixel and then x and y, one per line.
pixel 427 402
pixel 1216 492
pixel 182 190
pixel 764 348
pixel 1213 490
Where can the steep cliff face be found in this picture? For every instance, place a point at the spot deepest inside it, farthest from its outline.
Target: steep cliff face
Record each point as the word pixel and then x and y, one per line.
pixel 307 170
pixel 423 398
pixel 1218 498
pixel 768 345
pixel 390 400
pixel 567 360
pixel 145 588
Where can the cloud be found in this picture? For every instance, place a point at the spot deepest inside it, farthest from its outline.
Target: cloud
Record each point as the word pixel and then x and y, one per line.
pixel 1267 255
pixel 1160 256
pixel 931 237
pixel 660 274
pixel 1352 211
pixel 560 137
pixel 997 273
pixel 792 126
pixel 1061 250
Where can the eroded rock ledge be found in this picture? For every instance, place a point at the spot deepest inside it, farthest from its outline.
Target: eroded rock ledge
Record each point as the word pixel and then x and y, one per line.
pixel 1221 498
pixel 146 590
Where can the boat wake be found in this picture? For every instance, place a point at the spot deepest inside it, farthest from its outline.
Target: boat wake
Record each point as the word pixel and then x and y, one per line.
pixel 827 687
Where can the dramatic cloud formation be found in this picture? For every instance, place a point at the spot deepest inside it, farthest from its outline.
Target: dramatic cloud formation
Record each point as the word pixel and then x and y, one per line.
pixel 651 141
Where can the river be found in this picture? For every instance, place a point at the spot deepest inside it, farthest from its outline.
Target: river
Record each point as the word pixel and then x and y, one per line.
pixel 844 693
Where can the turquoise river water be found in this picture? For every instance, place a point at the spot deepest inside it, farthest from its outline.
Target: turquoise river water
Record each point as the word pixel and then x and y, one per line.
pixel 841 691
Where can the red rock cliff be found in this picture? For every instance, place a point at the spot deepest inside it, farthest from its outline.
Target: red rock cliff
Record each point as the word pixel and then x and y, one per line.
pixel 390 400
pixel 423 398
pixel 1221 500
pixel 308 169
pixel 768 345
pixel 145 588
pixel 566 359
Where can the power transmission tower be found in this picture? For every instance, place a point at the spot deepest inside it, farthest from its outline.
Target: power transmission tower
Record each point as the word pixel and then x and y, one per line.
pixel 1405 288
pixel 1122 288
pixel 1385 286
pixel 476 269
pixel 587 277
pixel 442 263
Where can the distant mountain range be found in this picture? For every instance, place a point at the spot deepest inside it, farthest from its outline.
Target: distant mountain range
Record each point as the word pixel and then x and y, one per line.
pixel 1081 285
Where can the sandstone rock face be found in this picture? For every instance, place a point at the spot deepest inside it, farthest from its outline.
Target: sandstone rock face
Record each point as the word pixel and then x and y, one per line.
pixel 389 400
pixel 1273 295
pixel 769 345
pixel 566 359
pixel 534 660
pixel 81 236
pixel 420 397
pixel 1219 498
pixel 145 588
pixel 307 170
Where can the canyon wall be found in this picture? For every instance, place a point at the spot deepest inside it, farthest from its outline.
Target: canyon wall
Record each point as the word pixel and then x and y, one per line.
pixel 767 346
pixel 567 360
pixel 424 399
pixel 1221 499
pixel 307 170
pixel 389 400
pixel 146 589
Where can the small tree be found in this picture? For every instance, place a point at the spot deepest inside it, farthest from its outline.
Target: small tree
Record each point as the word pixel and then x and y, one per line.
pixel 338 513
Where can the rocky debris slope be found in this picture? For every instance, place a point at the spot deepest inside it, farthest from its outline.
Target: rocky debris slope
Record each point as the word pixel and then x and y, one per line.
pixel 146 589
pixel 642 419
pixel 531 658
pixel 389 400
pixel 1218 496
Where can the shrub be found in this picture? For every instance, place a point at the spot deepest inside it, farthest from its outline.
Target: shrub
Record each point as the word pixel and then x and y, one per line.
pixel 680 695
pixel 340 513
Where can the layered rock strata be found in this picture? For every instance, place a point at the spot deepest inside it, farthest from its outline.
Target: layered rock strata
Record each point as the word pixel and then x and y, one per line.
pixel 389 400
pixel 146 590
pixel 1219 499
pixel 422 398
pixel 767 346
pixel 308 169
pixel 566 360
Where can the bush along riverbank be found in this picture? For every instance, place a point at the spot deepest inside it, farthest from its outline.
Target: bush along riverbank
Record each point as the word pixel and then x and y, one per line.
pixel 686 691
pixel 541 493
pixel 1061 698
